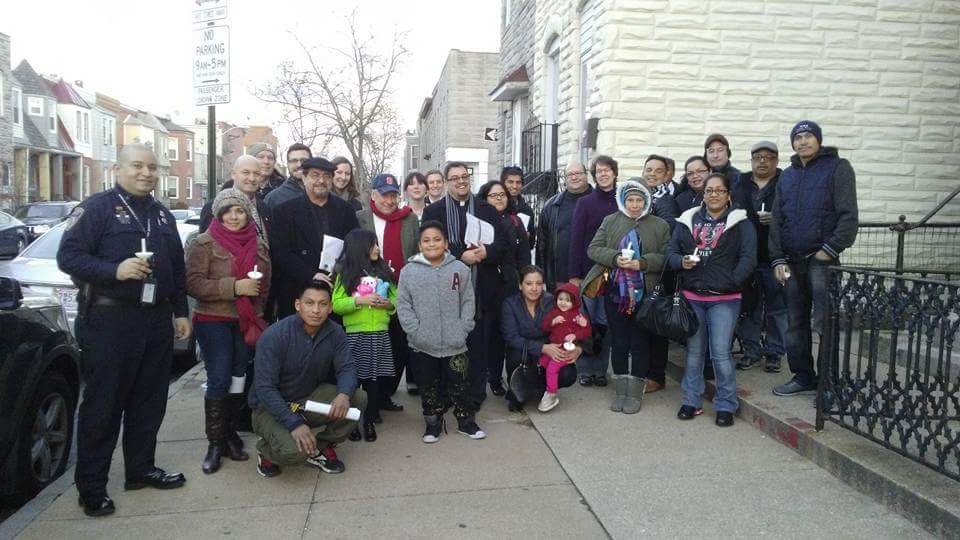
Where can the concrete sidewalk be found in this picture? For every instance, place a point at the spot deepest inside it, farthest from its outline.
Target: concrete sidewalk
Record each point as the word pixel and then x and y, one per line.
pixel 642 475
pixel 653 475
pixel 506 485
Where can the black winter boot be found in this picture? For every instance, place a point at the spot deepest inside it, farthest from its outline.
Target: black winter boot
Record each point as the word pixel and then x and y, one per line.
pixel 234 444
pixel 215 419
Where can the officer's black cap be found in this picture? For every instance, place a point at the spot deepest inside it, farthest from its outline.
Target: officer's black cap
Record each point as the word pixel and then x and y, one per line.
pixel 318 163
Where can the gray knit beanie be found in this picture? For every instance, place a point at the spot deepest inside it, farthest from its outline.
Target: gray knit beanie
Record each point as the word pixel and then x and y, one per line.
pixel 231 197
pixel 260 147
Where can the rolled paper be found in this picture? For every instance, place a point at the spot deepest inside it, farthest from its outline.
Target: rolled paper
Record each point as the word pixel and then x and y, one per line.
pixel 324 409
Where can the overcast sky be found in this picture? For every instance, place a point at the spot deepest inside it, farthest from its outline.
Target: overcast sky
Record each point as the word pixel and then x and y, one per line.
pixel 140 51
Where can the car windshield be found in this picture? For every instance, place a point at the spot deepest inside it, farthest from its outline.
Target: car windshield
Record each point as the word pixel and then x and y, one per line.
pixel 43 211
pixel 47 245
pixel 180 215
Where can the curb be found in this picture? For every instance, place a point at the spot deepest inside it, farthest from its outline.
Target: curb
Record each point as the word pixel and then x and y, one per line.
pixel 15 524
pixel 914 491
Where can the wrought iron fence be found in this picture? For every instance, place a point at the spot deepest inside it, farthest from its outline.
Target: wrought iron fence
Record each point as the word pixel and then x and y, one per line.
pixel 539 148
pixel 889 371
pixel 922 247
pixel 539 162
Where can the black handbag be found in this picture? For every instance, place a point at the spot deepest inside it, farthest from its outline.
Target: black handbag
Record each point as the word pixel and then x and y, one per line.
pixel 667 315
pixel 528 380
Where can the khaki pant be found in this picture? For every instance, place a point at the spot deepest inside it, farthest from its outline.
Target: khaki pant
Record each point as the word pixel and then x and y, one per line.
pixel 276 443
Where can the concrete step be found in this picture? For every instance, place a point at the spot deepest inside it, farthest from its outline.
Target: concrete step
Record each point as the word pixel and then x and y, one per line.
pixel 929 499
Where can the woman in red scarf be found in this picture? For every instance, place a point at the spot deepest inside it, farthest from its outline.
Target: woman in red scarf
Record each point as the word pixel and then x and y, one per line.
pixel 228 273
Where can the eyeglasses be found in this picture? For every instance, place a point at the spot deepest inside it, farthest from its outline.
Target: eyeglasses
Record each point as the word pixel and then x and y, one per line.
pixel 762 158
pixel 715 191
pixel 497 196
pixel 457 179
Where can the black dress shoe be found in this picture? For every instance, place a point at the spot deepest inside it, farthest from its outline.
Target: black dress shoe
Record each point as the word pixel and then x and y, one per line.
pixel 724 418
pixel 600 380
pixel 369 432
pixel 376 419
pixel 355 435
pixel 496 388
pixel 97 505
pixel 159 479
pixel 391 405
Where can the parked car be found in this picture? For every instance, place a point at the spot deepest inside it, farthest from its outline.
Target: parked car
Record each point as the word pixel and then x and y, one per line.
pixel 14 235
pixel 36 269
pixel 40 217
pixel 184 215
pixel 39 390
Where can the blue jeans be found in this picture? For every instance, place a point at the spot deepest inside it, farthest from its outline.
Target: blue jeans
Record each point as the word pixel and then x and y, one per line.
pixel 225 355
pixel 717 320
pixel 806 291
pixel 769 314
pixel 595 365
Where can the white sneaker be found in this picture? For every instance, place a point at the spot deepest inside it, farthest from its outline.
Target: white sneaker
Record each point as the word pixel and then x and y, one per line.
pixel 548 402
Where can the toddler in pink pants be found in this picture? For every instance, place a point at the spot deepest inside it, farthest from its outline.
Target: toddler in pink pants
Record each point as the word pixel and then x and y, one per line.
pixel 566 326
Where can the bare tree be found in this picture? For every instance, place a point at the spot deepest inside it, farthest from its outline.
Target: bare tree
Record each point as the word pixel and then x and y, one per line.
pixel 343 95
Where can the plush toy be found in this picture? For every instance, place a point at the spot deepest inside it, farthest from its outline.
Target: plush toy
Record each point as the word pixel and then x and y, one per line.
pixel 367 286
pixel 383 288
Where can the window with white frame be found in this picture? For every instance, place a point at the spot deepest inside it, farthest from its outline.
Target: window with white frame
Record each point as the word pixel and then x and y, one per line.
pixel 34 106
pixel 85 182
pixel 86 127
pixel 172 187
pixel 172 149
pixel 76 129
pixel 189 148
pixel 552 102
pixel 189 187
pixel 106 181
pixel 517 131
pixel 3 110
pixel 111 128
pixel 53 119
pixel 17 96
pixel 414 157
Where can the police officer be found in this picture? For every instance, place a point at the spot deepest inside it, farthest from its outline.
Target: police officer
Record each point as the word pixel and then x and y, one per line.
pixel 128 299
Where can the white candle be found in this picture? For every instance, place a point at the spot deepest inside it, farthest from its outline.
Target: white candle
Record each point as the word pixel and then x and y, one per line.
pixel 763 207
pixel 143 245
pixel 254 268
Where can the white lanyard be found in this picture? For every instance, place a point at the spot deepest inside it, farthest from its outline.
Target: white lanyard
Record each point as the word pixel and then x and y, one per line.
pixel 146 230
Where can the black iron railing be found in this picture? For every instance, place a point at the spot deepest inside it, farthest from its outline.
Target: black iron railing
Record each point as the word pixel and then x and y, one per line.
pixel 921 247
pixel 539 149
pixel 539 162
pixel 889 370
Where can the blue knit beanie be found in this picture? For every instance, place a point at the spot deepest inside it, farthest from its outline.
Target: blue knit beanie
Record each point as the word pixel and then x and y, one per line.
pixel 807 126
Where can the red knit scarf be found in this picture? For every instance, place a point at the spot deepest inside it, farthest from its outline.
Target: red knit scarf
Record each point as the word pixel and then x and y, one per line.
pixel 242 245
pixel 392 247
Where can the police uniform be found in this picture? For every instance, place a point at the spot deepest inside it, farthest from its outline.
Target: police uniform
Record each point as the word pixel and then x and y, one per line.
pixel 126 344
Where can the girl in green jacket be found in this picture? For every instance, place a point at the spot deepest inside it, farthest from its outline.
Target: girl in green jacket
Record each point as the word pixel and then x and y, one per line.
pixel 365 297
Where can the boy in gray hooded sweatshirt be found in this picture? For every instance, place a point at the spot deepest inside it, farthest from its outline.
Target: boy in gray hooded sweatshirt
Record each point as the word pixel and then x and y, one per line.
pixel 435 306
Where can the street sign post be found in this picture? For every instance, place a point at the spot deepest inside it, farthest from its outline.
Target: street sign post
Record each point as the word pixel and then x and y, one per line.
pixel 209 10
pixel 211 65
pixel 211 72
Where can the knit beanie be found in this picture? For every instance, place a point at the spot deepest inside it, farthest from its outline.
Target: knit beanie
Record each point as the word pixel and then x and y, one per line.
pixel 260 147
pixel 807 126
pixel 231 197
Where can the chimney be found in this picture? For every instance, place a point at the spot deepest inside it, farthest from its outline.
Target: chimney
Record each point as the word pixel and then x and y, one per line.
pixel 78 82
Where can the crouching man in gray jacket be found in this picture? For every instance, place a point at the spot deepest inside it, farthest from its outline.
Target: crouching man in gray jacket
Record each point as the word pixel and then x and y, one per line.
pixel 435 306
pixel 296 357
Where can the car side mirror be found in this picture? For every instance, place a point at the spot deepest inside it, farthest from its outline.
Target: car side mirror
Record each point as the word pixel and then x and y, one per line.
pixel 10 294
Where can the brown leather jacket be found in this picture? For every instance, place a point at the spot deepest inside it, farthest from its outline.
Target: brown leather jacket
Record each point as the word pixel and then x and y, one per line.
pixel 210 277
